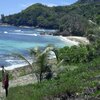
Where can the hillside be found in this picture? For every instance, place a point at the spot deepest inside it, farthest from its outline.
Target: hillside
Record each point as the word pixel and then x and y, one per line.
pixel 70 20
pixel 88 1
pixel 78 78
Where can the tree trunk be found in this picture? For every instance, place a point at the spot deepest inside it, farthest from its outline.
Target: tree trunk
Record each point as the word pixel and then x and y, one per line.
pixel 40 76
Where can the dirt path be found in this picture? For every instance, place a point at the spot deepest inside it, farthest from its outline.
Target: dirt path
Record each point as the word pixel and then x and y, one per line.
pixel 24 80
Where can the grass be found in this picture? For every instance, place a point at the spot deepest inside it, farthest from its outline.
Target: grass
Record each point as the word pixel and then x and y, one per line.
pixel 97 93
pixel 10 76
pixel 0 76
pixel 74 81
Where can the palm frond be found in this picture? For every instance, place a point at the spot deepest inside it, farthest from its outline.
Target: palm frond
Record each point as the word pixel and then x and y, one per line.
pixel 23 58
pixel 32 52
pixel 47 50
pixel 60 63
pixel 56 53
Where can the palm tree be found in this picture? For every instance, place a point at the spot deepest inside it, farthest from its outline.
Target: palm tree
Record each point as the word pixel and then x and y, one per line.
pixel 39 62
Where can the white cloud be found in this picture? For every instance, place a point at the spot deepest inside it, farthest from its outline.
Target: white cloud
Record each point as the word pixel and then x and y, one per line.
pixel 51 5
pixel 62 4
pixel 26 5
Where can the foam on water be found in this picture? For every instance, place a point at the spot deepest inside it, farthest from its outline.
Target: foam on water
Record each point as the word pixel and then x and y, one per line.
pixel 23 34
pixel 68 41
pixel 14 66
pixel 15 39
pixel 5 32
pixel 18 31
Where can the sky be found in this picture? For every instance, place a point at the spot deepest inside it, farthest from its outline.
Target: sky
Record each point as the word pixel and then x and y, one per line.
pixel 8 7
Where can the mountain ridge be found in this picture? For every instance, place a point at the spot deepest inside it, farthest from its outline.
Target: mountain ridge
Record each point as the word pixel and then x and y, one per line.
pixel 70 20
pixel 88 1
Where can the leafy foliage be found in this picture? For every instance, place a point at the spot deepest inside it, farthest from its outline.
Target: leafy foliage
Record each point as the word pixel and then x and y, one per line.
pixel 71 19
pixel 73 81
pixel 88 1
pixel 80 54
pixel 39 64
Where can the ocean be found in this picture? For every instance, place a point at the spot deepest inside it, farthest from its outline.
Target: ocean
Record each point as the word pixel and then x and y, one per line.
pixel 19 40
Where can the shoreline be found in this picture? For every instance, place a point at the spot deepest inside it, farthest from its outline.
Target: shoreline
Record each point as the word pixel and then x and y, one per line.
pixel 65 39
pixel 15 67
pixel 27 27
pixel 79 39
pixel 75 40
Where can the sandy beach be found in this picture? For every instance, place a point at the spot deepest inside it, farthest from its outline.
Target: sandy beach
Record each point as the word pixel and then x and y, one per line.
pixel 75 40
pixel 65 39
pixel 78 39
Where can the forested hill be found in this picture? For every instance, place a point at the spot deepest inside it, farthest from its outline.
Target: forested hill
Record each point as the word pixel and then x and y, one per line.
pixel 88 1
pixel 71 19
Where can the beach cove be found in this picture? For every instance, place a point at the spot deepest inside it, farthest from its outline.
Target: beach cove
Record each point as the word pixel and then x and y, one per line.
pixel 16 39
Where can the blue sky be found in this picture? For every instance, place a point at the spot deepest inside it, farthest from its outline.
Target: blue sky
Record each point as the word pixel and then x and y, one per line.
pixel 14 6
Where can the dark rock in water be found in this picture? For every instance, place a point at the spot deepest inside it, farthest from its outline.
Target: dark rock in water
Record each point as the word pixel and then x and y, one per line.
pixel 63 33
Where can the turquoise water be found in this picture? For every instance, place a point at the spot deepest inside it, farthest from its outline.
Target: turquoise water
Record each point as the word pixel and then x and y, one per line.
pixel 15 39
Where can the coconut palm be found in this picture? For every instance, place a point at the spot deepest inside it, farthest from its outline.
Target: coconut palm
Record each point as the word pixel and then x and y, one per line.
pixel 39 62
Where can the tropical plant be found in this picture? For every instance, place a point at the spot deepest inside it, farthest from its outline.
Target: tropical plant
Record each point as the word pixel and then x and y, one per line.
pixel 39 63
pixel 70 20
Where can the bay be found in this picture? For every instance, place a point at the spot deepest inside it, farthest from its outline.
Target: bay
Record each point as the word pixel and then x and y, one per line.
pixel 15 39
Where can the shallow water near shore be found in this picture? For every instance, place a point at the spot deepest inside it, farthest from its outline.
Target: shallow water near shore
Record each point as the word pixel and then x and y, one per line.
pixel 15 39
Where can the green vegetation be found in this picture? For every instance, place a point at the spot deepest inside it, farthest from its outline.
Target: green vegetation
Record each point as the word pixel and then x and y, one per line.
pixel 80 54
pixel 88 1
pixel 73 81
pixel 70 20
pixel 0 76
pixel 40 63
pixel 10 76
pixel 81 73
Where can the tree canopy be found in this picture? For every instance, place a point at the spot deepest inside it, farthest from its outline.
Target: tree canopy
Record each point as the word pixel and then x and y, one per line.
pixel 71 19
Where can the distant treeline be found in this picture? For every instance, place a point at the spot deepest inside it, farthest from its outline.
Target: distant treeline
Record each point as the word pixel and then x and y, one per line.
pixel 70 20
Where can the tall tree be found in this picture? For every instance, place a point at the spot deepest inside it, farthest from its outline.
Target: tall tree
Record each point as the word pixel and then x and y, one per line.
pixel 39 63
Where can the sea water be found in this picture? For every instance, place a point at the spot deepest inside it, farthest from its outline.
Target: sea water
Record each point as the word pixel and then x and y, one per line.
pixel 18 40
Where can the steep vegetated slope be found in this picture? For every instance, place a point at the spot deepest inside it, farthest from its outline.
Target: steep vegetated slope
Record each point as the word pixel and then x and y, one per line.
pixel 71 19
